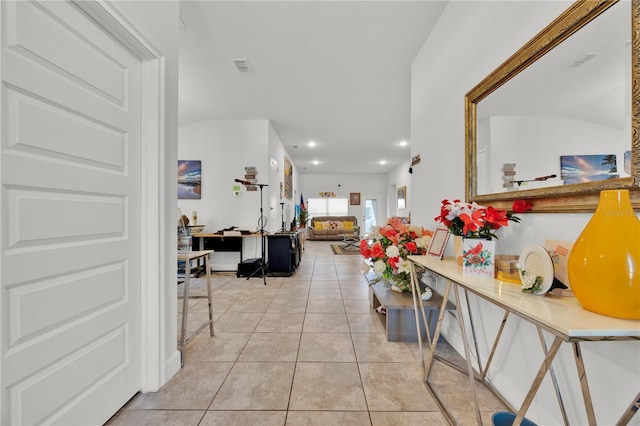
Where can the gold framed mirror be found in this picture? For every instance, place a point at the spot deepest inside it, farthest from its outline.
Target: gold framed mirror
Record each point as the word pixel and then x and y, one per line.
pixel 554 197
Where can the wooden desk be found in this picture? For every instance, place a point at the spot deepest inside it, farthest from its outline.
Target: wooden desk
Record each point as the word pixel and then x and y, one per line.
pixel 563 317
pixel 188 256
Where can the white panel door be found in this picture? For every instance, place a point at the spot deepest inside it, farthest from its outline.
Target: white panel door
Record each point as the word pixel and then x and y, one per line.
pixel 70 217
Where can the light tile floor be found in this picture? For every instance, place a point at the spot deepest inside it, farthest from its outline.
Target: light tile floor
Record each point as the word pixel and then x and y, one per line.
pixel 302 350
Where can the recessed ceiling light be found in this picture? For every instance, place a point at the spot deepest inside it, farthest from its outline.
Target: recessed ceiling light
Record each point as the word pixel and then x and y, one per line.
pixel 403 143
pixel 316 162
pixel 383 162
pixel 311 144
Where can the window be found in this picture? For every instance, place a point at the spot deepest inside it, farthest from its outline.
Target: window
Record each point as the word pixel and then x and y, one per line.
pixel 328 207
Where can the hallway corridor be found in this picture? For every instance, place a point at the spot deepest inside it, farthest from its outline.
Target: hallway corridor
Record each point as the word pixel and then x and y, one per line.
pixel 302 350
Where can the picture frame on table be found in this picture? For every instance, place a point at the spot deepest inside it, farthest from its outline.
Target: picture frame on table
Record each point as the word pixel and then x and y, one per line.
pixel 438 242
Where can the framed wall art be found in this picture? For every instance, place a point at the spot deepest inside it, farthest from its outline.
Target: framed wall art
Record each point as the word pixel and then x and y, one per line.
pixel 189 179
pixel 288 179
pixel 588 168
pixel 402 197
pixel 354 198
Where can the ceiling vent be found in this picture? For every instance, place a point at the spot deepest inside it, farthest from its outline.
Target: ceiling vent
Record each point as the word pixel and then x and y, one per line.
pixel 243 66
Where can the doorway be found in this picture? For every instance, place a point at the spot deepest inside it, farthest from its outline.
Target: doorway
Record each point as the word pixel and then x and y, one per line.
pixel 370 214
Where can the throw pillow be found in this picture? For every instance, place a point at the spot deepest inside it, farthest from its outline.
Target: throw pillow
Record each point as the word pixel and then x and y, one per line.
pixel 348 226
pixel 332 224
pixel 340 225
pixel 320 225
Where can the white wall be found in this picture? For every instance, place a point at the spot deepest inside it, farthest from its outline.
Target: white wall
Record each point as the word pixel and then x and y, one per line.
pixel 278 153
pixel 225 148
pixel 398 178
pixel 543 139
pixel 470 40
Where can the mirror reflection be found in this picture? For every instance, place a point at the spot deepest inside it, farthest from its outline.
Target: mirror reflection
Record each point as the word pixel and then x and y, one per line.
pixel 559 120
pixel 566 119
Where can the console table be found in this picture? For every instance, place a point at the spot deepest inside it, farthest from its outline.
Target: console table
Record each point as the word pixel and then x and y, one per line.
pixel 188 256
pixel 563 317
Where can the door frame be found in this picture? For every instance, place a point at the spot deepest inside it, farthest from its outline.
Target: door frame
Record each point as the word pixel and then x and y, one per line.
pixel 153 372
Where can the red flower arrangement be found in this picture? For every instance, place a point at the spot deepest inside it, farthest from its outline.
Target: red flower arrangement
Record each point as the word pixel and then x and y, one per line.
pixel 471 220
pixel 386 249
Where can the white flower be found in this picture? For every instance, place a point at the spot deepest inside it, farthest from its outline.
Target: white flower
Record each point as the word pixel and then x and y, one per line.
pixel 423 241
pixel 416 229
pixel 404 266
pixel 528 281
pixel 374 234
pixel 392 251
pixel 379 266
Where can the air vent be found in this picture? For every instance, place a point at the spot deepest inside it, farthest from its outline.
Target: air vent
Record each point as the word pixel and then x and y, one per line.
pixel 243 66
pixel 581 60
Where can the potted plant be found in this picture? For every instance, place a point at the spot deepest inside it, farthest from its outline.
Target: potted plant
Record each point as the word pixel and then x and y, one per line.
pixel 304 216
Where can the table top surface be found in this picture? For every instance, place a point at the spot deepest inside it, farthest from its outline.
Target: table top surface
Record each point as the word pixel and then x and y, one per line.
pixel 561 315
pixel 212 235
pixel 190 255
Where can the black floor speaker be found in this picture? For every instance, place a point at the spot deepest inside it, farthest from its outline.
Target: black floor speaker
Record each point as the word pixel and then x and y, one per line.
pixel 248 267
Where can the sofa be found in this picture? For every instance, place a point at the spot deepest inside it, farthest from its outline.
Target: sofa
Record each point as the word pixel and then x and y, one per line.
pixel 331 227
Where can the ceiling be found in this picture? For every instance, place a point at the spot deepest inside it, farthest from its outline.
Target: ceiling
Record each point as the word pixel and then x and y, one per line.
pixel 334 72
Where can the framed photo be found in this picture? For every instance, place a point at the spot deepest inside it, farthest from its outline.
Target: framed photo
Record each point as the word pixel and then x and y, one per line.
pixel 354 198
pixel 402 197
pixel 189 180
pixel 438 242
pixel 288 179
pixel 588 168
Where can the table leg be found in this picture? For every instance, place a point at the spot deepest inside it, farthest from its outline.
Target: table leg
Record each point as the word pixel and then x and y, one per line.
pixel 630 412
pixel 586 395
pixel 436 334
pixel 207 262
pixel 414 290
pixel 495 344
pixel 467 354
pixel 553 350
pixel 473 332
pixel 554 379
pixel 185 309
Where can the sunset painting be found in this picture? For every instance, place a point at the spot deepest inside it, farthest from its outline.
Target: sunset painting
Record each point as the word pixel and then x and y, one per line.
pixel 189 180
pixel 588 168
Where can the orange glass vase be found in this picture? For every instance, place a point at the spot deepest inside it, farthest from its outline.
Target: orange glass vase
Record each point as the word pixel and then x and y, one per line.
pixel 604 264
